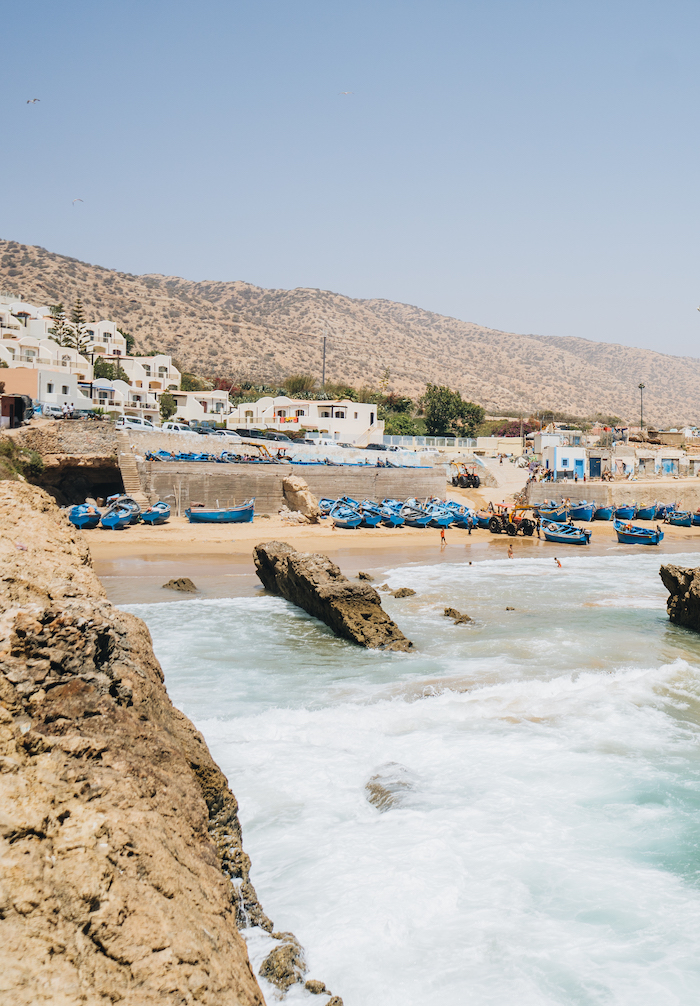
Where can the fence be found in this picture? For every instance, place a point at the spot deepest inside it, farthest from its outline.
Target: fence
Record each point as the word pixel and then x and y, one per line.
pixel 410 443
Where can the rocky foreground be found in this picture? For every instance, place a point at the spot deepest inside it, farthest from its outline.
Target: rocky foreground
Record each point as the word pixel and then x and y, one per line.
pixel 683 585
pixel 122 873
pixel 353 610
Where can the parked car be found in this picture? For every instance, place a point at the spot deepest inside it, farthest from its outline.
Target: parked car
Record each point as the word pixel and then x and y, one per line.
pixel 134 423
pixel 271 435
pixel 171 427
pixel 50 411
pixel 242 431
pixel 351 446
pixel 226 433
pixel 376 447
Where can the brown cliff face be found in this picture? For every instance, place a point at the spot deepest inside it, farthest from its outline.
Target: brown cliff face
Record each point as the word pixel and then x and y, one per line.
pixel 353 610
pixel 683 584
pixel 119 836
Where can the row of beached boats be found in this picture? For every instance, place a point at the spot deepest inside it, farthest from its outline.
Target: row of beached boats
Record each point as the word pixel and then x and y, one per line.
pixel 589 511
pixel 119 512
pixel 229 457
pixel 346 512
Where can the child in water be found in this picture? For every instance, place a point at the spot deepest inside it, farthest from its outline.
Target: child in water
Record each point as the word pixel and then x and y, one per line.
pixel 557 562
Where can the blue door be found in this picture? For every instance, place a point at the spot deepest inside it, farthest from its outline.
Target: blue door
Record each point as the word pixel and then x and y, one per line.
pixel 579 467
pixel 670 466
pixel 595 468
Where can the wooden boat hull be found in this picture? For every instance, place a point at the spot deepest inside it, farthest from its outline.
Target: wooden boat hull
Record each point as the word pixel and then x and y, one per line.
pixel 230 515
pixel 117 520
pixel 647 512
pixel 79 518
pixel 348 522
pixel 603 513
pixel 583 511
pixel 679 519
pixel 158 514
pixel 637 535
pixel 561 536
pixel 559 514
pixel 626 513
pixel 696 518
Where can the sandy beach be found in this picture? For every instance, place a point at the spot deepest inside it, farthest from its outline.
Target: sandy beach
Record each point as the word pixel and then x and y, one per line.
pixel 133 564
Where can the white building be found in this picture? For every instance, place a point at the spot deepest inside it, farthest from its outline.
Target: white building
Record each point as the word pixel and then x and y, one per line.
pixel 198 405
pixel 565 461
pixel 344 421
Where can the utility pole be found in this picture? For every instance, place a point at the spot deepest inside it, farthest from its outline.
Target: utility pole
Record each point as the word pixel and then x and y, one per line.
pixel 641 407
pixel 323 376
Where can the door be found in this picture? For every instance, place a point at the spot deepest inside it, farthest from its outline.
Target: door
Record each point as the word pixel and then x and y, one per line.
pixel 670 466
pixel 579 467
pixel 595 468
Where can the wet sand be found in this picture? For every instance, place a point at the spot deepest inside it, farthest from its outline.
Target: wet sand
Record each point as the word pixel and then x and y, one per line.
pixel 134 564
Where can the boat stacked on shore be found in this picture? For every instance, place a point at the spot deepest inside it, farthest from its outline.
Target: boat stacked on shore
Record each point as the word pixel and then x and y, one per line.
pixel 346 512
pixel 119 512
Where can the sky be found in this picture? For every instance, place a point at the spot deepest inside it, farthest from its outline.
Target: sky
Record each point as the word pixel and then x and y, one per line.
pixel 529 166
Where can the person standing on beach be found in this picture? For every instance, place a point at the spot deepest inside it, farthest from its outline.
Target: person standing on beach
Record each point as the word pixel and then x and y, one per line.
pixel 443 540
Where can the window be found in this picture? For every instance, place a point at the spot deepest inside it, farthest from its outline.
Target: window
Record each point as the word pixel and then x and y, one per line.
pixel 249 414
pixel 565 462
pixel 65 361
pixel 49 389
pixel 325 415
pixel 281 413
pixel 162 371
pixel 147 368
pixel 117 352
pixel 103 394
pixel 300 412
pixel 355 416
pixel 91 333
pixel 340 415
pixel 64 389
pixel 137 398
pixel 371 419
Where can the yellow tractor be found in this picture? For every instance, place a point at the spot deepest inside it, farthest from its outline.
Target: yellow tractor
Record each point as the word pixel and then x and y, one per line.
pixel 512 521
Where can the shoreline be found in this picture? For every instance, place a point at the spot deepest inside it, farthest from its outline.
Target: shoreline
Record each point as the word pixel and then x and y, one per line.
pixel 134 564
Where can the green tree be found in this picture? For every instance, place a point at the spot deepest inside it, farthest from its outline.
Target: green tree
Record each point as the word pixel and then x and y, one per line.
pixel 79 339
pixel 168 406
pixel 110 371
pixel 399 425
pixel 60 329
pixel 447 414
pixel 130 342
pixel 297 383
pixel 397 403
pixel 190 382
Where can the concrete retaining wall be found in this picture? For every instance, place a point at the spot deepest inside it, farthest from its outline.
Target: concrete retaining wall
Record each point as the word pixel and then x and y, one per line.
pixel 208 482
pixel 684 492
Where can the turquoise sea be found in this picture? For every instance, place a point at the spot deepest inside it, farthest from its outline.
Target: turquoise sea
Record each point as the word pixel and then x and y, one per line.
pixel 544 849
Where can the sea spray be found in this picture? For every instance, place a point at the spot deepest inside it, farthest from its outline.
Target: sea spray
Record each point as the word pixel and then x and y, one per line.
pixel 546 848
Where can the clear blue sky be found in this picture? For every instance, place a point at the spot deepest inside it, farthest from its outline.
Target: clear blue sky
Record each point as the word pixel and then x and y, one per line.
pixel 532 166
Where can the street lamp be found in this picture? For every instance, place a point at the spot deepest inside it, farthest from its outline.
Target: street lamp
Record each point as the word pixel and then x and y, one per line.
pixel 641 406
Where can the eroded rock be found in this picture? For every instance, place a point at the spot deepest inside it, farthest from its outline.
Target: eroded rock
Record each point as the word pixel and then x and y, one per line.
pixel 683 585
pixel 123 875
pixel 365 576
pixel 403 592
pixel 181 583
pixel 285 965
pixel 314 583
pixel 300 498
pixel 459 618
pixel 317 988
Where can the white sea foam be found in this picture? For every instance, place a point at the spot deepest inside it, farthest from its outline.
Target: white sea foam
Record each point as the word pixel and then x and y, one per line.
pixel 546 852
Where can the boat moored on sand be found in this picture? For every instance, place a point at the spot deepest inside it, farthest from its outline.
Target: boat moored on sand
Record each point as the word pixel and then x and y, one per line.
pixel 565 534
pixel 242 514
pixel 631 534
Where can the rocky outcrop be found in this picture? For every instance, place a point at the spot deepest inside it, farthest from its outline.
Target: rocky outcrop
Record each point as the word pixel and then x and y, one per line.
pixel 683 585
pixel 182 583
pixel 299 498
pixel 122 873
pixel 312 581
pixel 285 965
pixel 457 616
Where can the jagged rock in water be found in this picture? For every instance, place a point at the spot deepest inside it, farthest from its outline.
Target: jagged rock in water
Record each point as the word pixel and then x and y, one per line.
pixel 312 581
pixel 334 1001
pixel 365 576
pixel 683 585
pixel 403 592
pixel 317 988
pixel 300 498
pixel 181 583
pixel 459 618
pixel 389 785
pixel 285 965
pixel 123 875
pixel 509 608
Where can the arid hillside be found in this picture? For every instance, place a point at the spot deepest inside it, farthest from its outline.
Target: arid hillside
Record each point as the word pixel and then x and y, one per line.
pixel 241 331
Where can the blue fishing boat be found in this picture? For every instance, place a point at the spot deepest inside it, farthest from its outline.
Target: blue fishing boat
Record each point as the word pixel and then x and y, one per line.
pixel 647 512
pixel 555 513
pixel 679 518
pixel 325 505
pixel 84 516
pixel 158 513
pixel 627 512
pixel 583 510
pixel 565 534
pixel 415 516
pixel 242 514
pixel 116 518
pixel 696 517
pixel 391 517
pixel 440 516
pixel 345 516
pixel 603 513
pixel 483 519
pixel 630 534
pixel 662 509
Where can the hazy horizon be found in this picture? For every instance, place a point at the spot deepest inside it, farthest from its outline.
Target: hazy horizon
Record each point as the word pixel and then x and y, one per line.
pixel 526 167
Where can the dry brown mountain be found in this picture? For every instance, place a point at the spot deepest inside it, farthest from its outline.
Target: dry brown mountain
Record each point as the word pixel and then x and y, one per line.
pixel 245 332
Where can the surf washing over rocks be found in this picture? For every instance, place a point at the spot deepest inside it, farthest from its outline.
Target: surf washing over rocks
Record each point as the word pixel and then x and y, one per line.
pixel 509 814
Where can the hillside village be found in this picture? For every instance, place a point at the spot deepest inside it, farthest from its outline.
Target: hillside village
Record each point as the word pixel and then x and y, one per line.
pixel 237 333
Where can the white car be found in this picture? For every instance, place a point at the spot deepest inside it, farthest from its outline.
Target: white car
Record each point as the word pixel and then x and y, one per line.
pixel 226 433
pixel 134 423
pixel 176 428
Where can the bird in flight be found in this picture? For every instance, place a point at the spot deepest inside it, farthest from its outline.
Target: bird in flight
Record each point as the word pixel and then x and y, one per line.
pixel 32 101
pixel 78 201
pixel 346 92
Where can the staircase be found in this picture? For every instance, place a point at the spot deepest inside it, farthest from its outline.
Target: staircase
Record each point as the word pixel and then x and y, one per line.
pixel 130 471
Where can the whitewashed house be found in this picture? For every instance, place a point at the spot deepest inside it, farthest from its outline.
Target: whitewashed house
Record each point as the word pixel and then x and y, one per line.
pixel 344 421
pixel 198 405
pixel 565 461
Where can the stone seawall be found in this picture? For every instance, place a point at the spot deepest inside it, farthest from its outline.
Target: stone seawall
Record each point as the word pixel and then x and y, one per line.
pixel 122 873
pixel 685 492
pixel 226 484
